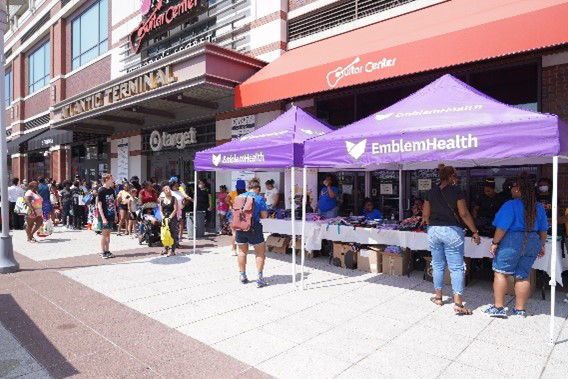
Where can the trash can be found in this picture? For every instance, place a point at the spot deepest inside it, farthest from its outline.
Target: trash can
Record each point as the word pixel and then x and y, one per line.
pixel 200 227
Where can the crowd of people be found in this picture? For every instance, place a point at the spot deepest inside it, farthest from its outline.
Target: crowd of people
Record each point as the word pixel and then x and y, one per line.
pixel 519 219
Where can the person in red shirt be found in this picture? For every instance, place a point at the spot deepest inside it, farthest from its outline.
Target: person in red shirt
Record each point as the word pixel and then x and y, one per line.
pixel 148 194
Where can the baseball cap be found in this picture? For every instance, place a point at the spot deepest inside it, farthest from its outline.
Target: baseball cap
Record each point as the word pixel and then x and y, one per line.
pixel 240 184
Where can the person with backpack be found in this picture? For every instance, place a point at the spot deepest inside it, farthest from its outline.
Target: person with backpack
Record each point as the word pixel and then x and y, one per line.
pixel 248 209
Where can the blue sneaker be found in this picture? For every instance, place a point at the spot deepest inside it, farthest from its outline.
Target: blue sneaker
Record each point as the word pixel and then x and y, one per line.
pixel 519 312
pixel 493 311
pixel 244 279
pixel 260 282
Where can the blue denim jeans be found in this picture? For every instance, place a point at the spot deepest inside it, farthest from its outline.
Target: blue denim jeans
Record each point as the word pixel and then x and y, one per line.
pixel 447 247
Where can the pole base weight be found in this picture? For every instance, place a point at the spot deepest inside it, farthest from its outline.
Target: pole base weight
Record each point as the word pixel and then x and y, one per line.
pixel 7 262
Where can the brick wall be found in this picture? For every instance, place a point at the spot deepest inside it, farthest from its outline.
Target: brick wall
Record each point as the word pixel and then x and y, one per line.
pixel 88 78
pixel 37 103
pixel 555 100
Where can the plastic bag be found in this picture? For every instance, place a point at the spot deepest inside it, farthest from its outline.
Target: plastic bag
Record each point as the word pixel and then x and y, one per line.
pixel 21 207
pixel 166 235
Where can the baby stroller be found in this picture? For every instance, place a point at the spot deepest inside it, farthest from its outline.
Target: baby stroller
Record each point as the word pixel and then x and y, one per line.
pixel 148 226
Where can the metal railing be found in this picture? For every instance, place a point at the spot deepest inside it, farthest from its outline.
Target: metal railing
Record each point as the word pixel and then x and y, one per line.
pixel 338 14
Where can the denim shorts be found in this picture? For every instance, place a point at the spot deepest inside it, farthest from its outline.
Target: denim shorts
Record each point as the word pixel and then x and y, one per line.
pixel 511 259
pixel 253 237
pixel 109 226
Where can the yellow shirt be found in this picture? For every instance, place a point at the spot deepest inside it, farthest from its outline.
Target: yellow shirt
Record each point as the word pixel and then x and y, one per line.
pixel 232 196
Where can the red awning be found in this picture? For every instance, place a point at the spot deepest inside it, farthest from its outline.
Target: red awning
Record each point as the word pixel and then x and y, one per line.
pixel 451 33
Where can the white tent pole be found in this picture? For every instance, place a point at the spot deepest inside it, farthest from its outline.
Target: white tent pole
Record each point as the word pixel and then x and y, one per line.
pixel 293 206
pixel 400 193
pixel 304 202
pixel 194 210
pixel 553 255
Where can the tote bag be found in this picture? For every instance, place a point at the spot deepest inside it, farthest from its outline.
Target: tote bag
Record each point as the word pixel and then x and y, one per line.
pixel 166 235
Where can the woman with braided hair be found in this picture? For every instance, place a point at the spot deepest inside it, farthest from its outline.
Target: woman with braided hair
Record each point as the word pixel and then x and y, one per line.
pixel 519 238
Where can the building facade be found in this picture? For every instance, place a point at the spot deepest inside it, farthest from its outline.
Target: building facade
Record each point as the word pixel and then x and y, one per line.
pixel 138 86
pixel 133 87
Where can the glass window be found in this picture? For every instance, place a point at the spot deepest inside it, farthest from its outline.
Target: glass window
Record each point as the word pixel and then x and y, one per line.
pixel 90 34
pixel 8 85
pixel 38 68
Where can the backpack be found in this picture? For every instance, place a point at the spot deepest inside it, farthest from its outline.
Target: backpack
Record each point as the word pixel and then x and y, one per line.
pixel 243 211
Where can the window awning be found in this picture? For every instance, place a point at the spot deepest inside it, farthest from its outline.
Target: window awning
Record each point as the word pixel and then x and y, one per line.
pixel 50 138
pixel 448 34
pixel 17 145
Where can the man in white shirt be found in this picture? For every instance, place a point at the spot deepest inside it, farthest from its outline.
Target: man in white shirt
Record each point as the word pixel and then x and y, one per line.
pixel 14 192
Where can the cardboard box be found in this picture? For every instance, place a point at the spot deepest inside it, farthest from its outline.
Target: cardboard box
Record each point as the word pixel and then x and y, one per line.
pixel 309 253
pixel 511 283
pixel 277 244
pixel 394 264
pixel 370 260
pixel 340 250
pixel 428 274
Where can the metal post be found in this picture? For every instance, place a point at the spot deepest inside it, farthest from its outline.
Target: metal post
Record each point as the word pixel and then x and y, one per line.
pixel 554 249
pixel 194 210
pixel 293 206
pixel 400 195
pixel 7 262
pixel 304 202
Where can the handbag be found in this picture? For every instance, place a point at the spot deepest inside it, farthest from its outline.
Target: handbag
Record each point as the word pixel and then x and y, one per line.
pixel 21 207
pixel 165 234
pixel 457 217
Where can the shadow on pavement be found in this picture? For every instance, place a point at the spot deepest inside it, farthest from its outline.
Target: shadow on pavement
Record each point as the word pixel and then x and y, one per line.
pixel 17 322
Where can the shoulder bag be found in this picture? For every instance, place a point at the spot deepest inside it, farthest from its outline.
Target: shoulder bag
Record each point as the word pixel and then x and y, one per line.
pixel 456 215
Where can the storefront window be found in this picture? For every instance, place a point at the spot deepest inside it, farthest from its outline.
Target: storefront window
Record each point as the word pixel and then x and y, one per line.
pixel 38 165
pixel 38 68
pixel 8 85
pixel 90 34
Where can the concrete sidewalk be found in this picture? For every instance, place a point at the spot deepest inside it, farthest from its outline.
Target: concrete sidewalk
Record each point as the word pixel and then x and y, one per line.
pixel 189 316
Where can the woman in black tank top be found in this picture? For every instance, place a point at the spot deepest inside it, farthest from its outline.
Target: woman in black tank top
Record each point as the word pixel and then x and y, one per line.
pixel 169 210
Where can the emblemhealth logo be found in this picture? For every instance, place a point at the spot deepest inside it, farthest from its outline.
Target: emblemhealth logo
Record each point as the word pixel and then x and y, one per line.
pixel 218 159
pixel 356 150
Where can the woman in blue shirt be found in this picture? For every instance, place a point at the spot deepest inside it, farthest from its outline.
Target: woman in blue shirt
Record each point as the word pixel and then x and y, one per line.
pixel 519 238
pixel 328 198
pixel 254 236
pixel 370 212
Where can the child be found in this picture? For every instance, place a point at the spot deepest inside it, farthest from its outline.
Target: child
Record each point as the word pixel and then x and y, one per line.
pixel 222 209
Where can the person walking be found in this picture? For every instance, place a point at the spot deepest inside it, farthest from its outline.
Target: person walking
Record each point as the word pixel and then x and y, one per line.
pixel 14 193
pixel 45 193
pixel 445 211
pixel 520 237
pixel 106 205
pixel 66 198
pixel 169 211
pixel 35 210
pixel 254 236
pixel 182 199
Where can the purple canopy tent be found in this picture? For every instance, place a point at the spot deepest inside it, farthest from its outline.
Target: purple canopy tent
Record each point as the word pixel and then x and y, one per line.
pixel 277 145
pixel 447 121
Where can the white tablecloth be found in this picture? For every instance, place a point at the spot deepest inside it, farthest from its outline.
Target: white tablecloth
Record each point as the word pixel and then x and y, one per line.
pixel 316 232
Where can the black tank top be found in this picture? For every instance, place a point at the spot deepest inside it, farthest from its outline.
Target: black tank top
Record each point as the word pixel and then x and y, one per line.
pixel 168 209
